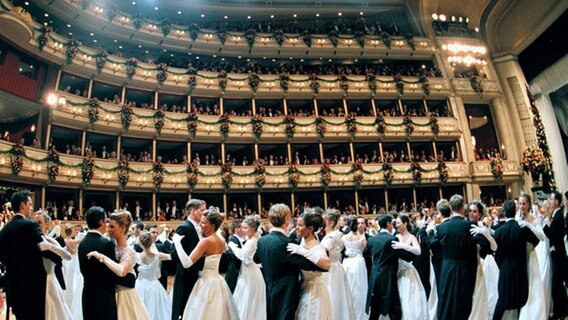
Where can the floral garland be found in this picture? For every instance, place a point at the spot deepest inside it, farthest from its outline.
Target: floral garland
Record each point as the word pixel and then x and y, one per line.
pixel 357 165
pixel 157 174
pixel 191 83
pixel 101 60
pixel 192 170
pixel 222 35
pixel 194 31
pixel 279 37
pixel 192 119
pixel 385 39
pixel 222 76
pixel 250 36
pixel 321 127
pixel 257 129
pixel 548 182
pixel 399 83
pixel 372 82
pixel 381 125
pixel 443 171
pixel 307 38
pixel 17 154
pixel 344 82
pixel 227 175
pixel 138 21
pixel 388 173
pixel 225 126
pixel 360 38
pixel 259 167
pixel 358 178
pixel 410 40
pixel 123 172
pixel 425 83
pixel 130 67
pixel 290 126
pixel 351 124
pixel 333 37
pixel 162 73
pixel 476 84
pixel 285 81
pixel 71 52
pixel 293 177
pixel 434 126
pixel 254 81
pixel 416 172
pixel 52 165
pixel 497 167
pixel 126 116
pixel 260 181
pixel 166 27
pixel 43 38
pixel 533 161
pixel 159 120
pixel 192 180
pixel 409 126
pixel 314 84
pixel 325 175
pixel 93 111
pixel 87 170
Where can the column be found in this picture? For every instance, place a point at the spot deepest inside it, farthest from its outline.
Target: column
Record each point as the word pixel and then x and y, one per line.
pixel 504 124
pixel 466 145
pixel 83 142
pixel 90 89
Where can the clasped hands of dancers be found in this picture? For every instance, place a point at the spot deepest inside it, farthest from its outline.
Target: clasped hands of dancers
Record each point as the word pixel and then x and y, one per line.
pixel 446 268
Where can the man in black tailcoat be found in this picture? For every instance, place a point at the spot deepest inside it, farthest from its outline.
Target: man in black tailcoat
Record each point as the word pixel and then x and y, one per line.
pixel 99 288
pixel 511 257
pixel 280 268
pixel 555 231
pixel 458 268
pixel 234 263
pixel 382 295
pixel 185 278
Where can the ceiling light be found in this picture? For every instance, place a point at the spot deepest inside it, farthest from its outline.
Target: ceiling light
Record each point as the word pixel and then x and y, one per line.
pixel 239 57
pixel 295 15
pixel 70 33
pixel 171 54
pixel 140 46
pixel 203 16
pixel 189 53
pixel 214 56
pixel 156 8
pixel 301 60
pixel 115 41
pixel 273 60
pixel 95 40
pixel 179 12
pixel 248 60
pixel 147 51
pixel 317 14
pixel 271 16
pixel 226 17
pixel 222 59
pixel 68 26
pixel 133 3
pixel 92 34
pixel 165 50
pixel 27 3
pixel 339 14
pixel 248 17
pixel 120 47
pixel 361 13
pixel 197 58
pixel 442 17
pixel 46 15
pixel 435 16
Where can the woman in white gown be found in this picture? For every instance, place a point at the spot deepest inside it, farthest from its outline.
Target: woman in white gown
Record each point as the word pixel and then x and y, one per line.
pixel 335 278
pixel 210 297
pixel 55 306
pixel 314 298
pixel 128 302
pixel 151 291
pixel 412 295
pixel 73 276
pixel 355 268
pixel 250 290
pixel 543 256
pixel 535 308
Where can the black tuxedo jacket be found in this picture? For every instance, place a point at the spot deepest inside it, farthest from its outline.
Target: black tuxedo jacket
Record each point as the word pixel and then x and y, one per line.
pixel 233 265
pixel 555 232
pixel 511 257
pixel 59 265
pixel 99 287
pixel 281 274
pixel 382 294
pixel 498 225
pixel 25 273
pixel 422 261
pixel 185 278
pixel 458 266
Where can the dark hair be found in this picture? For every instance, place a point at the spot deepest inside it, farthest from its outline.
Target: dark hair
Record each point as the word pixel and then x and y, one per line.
pixel 93 216
pixel 252 221
pixel 406 220
pixel 150 226
pixel 193 204
pixel 235 224
pixel 312 219
pixel 510 209
pixel 478 205
pixel 384 220
pixel 557 197
pixel 18 198
pixel 331 215
pixel 214 217
pixel 443 207
pixel 352 223
pixel 140 225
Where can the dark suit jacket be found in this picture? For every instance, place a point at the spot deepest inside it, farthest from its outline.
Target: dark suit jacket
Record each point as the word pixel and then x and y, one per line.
pixel 458 267
pixel 99 287
pixel 382 294
pixel 185 278
pixel 555 232
pixel 422 261
pixel 233 265
pixel 511 257
pixel 25 273
pixel 281 274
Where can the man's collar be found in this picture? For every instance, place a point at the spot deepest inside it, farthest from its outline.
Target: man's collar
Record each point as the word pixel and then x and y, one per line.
pixel 275 229
pixel 95 231
pixel 19 214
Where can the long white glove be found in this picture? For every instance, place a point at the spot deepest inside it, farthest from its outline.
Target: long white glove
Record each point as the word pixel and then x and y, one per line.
pixel 406 247
pixel 183 257
pixel 56 232
pixel 486 232
pixel 431 227
pixel 115 267
pixel 299 250
pixel 54 247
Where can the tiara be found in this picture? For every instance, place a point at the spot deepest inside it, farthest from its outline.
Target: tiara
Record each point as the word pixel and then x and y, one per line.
pixel 213 209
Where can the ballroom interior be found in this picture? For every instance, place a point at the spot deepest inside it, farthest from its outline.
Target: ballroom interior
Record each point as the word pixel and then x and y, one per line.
pixel 364 106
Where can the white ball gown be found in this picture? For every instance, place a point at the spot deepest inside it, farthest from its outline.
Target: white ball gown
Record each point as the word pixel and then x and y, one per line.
pixel 151 291
pixel 479 307
pixel 413 301
pixel 491 274
pixel 336 279
pixel 536 306
pixel 314 299
pixel 542 252
pixel 210 297
pixel 128 303
pixel 356 272
pixel 250 290
pixel 55 306
pixel 74 286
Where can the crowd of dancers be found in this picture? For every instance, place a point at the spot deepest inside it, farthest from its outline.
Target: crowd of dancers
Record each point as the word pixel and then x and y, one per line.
pixel 457 264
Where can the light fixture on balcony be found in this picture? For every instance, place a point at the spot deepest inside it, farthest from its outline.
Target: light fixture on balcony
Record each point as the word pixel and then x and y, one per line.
pixel 375 43
pixel 36 168
pixel 293 41
pixel 349 42
pixel 177 79
pixel 115 67
pixel 106 177
pixel 76 111
pixel 321 42
pixel 301 85
pixel 123 20
pixel 57 46
pixel 270 85
pixel 109 118
pixel 143 123
pixel 86 58
pixel 152 27
pixel 236 39
pixel 98 10
pixel 147 74
pixel 265 41
pixel 208 37
pixel 330 86
pixel 208 83
pixel 423 44
pixel 180 33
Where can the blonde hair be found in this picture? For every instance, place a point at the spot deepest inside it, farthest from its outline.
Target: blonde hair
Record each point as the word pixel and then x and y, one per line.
pixel 278 213
pixel 122 218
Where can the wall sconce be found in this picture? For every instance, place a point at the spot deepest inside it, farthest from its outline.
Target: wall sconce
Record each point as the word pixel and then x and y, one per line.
pixel 240 84
pixel 265 41
pixel 375 43
pixel 2 161
pixel 387 86
pixel 124 20
pixel 106 177
pixel 71 174
pixel 85 58
pixel 36 168
pixel 57 46
pixel 270 85
pixel 109 118
pixel 208 83
pixel 143 123
pixel 305 130
pixel 180 33
pixel 273 131
pixel 176 126
pixel 209 128
pixel 147 74
pixel 208 37
pixel 242 130
pixel 349 42
pixel 359 86
pixel 413 87
pixel 76 111
pixel 399 43
pixel 301 85
pixel 438 87
pixel 98 10
pixel 321 42
pixel 115 67
pixel 330 86
pixel 236 40
pixel 293 41
pixel 152 28
pixel 423 44
pixel 177 79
